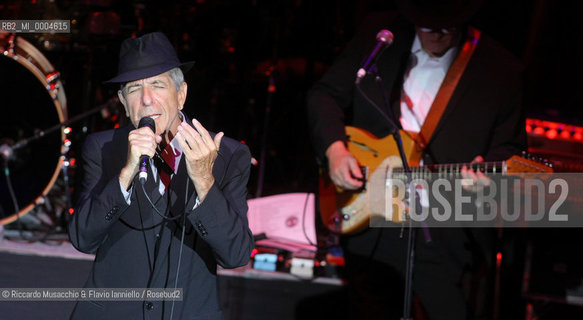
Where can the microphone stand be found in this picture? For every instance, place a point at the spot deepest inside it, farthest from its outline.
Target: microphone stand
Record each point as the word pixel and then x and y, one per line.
pixel 394 131
pixel 24 142
pixel 271 88
pixel 8 151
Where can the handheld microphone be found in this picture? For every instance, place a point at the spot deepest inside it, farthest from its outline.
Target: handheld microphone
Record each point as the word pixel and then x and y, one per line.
pixel 384 39
pixel 143 174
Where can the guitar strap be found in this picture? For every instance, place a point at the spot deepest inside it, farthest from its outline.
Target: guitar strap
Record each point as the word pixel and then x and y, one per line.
pixel 446 90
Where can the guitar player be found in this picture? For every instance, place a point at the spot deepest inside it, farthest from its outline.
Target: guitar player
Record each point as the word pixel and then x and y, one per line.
pixel 481 118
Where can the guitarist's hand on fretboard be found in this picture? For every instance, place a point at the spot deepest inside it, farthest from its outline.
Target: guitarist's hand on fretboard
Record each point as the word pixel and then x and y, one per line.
pixel 343 167
pixel 479 179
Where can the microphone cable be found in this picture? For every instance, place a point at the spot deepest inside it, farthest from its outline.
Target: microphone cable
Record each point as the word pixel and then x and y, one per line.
pixel 181 249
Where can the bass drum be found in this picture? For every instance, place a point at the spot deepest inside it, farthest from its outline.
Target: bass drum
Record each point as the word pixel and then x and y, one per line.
pixel 33 100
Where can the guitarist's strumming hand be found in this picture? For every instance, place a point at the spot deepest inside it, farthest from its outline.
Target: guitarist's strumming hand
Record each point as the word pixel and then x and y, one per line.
pixel 343 167
pixel 480 181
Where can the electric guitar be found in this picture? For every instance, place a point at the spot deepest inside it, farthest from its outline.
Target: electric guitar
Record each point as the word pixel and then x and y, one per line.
pixel 348 212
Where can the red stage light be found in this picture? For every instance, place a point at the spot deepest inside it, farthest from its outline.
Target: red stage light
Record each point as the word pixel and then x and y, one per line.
pixel 565 134
pixel 552 133
pixel 539 131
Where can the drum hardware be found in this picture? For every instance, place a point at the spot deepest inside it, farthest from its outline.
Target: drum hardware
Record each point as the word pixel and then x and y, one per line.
pixel 40 217
pixel 66 163
pixel 8 152
pixel 9 51
pixel 32 152
pixel 49 213
pixel 53 83
pixel 34 84
pixel 53 77
pixel 41 223
pixel 29 165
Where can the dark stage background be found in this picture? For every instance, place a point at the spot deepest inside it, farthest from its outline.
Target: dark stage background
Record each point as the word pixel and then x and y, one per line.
pixel 256 59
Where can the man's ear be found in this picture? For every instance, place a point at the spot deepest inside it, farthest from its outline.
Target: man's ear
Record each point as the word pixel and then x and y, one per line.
pixel 123 101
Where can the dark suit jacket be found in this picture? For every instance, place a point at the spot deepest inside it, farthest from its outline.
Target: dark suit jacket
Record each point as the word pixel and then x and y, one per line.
pixel 136 248
pixel 484 116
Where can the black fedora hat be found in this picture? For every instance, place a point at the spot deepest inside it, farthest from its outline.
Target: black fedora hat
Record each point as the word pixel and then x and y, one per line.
pixel 438 13
pixel 147 56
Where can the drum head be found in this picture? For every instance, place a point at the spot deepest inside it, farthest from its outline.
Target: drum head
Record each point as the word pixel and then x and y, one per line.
pixel 27 108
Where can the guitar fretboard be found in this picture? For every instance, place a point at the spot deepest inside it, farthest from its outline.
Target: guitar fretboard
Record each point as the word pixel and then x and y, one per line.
pixel 449 171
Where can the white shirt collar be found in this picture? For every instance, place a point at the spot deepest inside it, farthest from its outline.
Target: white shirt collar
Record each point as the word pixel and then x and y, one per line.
pixel 174 143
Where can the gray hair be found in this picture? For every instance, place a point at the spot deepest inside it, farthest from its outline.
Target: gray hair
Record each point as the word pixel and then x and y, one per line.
pixel 177 77
pixel 175 74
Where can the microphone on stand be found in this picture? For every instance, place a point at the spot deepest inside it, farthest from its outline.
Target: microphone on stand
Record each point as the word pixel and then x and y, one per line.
pixel 384 40
pixel 6 151
pixel 143 174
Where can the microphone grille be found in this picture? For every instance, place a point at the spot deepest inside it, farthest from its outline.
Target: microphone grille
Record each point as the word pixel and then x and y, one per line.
pixel 147 121
pixel 385 36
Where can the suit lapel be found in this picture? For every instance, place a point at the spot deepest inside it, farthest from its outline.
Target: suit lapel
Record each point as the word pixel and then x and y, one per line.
pixel 178 188
pixel 463 85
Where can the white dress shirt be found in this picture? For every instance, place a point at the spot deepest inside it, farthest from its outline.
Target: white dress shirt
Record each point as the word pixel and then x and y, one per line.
pixel 422 82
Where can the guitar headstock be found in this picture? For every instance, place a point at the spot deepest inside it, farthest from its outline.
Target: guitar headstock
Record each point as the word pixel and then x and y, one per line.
pixel 518 164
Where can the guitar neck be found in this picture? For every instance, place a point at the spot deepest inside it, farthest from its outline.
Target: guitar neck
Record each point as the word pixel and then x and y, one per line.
pixel 453 170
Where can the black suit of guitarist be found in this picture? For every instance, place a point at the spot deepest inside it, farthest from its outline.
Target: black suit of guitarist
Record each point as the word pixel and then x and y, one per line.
pixel 484 117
